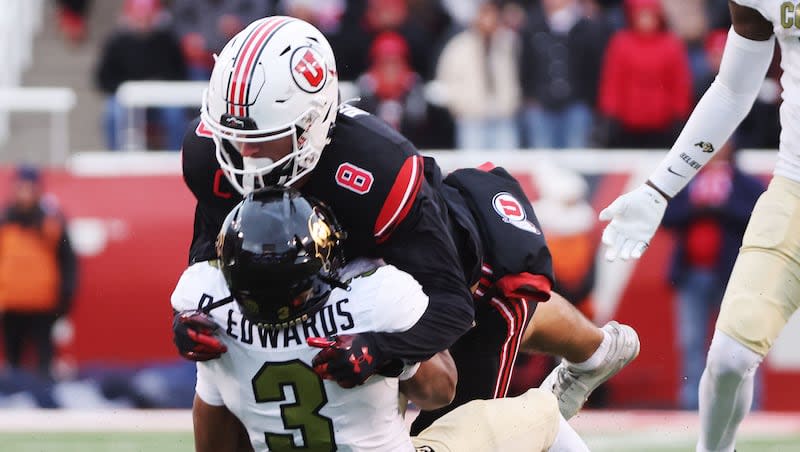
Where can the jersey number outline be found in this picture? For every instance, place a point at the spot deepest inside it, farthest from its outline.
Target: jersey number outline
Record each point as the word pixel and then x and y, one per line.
pixel 269 384
pixel 353 178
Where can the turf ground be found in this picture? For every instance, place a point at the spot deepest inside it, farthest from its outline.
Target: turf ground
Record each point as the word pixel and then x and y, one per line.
pixel 169 431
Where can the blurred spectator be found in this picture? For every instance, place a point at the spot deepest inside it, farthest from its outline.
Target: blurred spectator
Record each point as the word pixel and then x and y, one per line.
pixel 645 89
pixel 713 46
pixel 142 48
pixel 351 45
pixel 719 15
pixel 708 219
pixel 463 12
pixel 323 14
pixel 72 16
pixel 562 53
pixel 37 271
pixel 568 221
pixel 204 26
pixel 391 90
pixel 689 21
pixel 478 69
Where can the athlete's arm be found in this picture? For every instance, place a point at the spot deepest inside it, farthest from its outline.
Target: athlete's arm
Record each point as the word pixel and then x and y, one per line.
pixel 635 216
pixel 216 429
pixel 422 246
pixel 747 57
pixel 434 384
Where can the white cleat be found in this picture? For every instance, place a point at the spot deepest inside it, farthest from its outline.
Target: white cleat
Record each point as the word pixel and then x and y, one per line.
pixel 572 387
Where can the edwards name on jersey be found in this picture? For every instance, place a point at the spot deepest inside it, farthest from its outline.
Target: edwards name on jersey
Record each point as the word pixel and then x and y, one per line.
pixel 266 379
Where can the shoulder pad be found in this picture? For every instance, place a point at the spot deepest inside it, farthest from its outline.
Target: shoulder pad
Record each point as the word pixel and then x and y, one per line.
pixel 369 174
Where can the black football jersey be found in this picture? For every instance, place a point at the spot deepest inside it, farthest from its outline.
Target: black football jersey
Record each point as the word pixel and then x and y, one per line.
pixel 373 179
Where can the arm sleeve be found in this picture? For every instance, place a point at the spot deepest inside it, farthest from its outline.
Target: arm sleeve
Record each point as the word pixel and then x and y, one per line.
pixel 422 246
pixel 719 112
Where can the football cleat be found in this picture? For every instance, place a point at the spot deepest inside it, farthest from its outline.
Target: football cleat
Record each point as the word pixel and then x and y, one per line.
pixel 572 386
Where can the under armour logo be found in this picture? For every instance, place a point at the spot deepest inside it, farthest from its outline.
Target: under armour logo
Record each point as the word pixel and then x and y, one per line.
pixel 357 360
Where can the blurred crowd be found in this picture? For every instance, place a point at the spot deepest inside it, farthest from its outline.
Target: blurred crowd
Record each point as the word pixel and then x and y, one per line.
pixel 463 74
pixel 466 74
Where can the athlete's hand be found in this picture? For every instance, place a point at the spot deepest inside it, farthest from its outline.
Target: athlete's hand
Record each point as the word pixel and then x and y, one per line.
pixel 194 336
pixel 347 359
pixel 634 216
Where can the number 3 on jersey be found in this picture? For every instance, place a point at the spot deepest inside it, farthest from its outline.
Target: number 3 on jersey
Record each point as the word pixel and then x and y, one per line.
pixel 269 385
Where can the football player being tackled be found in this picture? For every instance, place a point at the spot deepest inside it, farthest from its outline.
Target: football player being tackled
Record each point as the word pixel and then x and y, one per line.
pixel 278 285
pixel 271 108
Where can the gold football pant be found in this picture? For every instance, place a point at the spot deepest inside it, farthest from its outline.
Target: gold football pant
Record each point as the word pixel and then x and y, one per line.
pixel 528 423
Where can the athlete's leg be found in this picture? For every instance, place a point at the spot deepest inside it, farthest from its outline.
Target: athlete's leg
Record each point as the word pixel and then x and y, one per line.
pixel 592 355
pixel 762 293
pixel 558 328
pixel 726 392
pixel 529 422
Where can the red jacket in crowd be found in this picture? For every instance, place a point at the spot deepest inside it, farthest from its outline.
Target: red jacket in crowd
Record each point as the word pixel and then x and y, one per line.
pixel 646 81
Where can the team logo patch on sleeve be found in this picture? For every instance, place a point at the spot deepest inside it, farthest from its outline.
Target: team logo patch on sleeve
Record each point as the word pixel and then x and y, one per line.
pixel 512 212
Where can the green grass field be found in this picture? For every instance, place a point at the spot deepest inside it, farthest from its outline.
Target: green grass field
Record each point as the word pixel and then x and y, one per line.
pixel 182 442
pixel 170 431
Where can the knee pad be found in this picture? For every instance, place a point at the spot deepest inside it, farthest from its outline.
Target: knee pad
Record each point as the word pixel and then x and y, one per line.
pixel 730 360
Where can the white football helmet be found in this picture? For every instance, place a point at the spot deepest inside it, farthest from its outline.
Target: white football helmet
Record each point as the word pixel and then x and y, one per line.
pixel 274 79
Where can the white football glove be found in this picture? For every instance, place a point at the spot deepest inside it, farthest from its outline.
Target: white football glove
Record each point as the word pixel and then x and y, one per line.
pixel 634 216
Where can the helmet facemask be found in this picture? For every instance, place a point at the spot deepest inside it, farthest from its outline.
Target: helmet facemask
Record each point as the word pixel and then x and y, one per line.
pixel 255 173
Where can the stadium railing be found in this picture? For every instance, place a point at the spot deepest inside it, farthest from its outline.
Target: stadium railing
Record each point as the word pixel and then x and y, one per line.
pixel 19 22
pixel 137 96
pixel 56 101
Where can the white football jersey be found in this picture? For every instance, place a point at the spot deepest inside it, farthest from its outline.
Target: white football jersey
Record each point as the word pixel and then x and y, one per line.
pixel 785 18
pixel 266 379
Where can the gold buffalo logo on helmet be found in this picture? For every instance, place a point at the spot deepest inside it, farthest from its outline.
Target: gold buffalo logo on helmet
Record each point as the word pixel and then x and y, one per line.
pixel 322 236
pixel 283 313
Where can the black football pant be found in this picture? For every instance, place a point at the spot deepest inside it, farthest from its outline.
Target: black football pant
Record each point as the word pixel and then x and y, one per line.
pixel 485 355
pixel 20 329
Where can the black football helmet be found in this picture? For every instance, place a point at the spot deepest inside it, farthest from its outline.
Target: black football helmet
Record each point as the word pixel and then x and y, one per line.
pixel 280 253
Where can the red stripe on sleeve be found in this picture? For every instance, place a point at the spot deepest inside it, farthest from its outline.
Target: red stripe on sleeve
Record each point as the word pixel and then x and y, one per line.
pixel 525 285
pixel 400 199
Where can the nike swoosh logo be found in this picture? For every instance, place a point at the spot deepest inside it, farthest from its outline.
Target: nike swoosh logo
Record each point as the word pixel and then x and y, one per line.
pixel 669 168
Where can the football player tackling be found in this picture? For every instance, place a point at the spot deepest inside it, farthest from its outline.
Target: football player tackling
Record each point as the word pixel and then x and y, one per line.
pixel 278 290
pixel 272 115
pixel 764 287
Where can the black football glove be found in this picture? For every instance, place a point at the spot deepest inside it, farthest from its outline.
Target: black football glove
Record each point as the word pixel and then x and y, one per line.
pixel 194 336
pixel 351 359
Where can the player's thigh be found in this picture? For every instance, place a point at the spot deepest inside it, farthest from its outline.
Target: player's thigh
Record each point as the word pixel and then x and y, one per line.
pixel 528 423
pixel 764 287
